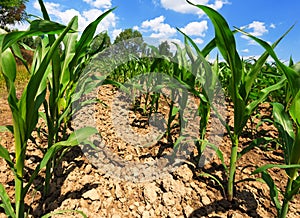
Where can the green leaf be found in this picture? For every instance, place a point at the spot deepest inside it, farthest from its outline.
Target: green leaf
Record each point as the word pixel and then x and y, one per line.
pixel 292 75
pixel 8 65
pixel 203 174
pixel 86 38
pixel 174 111
pixel 295 109
pixel 255 143
pixel 74 139
pixel 36 28
pixel 262 95
pixel 225 41
pixel 256 68
pixel 220 155
pixel 269 166
pixel 69 52
pixel 6 156
pixel 285 127
pixel 6 205
pixel 8 128
pixel 31 99
pixel 273 190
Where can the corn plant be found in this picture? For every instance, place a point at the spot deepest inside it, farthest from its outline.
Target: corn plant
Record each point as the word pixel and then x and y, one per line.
pixel 25 110
pixel 240 84
pixel 287 121
pixel 67 64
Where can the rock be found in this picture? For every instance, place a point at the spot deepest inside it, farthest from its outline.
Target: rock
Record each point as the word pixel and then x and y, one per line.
pixel 187 210
pixel 91 194
pixel 184 173
pixel 150 193
pixel 86 179
pixel 107 202
pixel 140 209
pixel 205 200
pixel 88 169
pixel 106 193
pixel 118 191
pixel 168 199
pixel 146 214
pixel 73 177
pixel 237 215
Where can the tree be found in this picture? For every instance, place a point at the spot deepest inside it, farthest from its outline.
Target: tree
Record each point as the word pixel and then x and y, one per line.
pixel 130 42
pixel 164 49
pixel 128 34
pixel 100 42
pixel 12 11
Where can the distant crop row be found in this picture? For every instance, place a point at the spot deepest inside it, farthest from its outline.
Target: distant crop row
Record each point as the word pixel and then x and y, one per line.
pixel 55 83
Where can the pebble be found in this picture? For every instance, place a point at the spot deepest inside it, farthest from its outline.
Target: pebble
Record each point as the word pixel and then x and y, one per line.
pixel 91 194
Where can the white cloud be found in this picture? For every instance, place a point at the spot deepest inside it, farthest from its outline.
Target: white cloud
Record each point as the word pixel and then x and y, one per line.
pixel 198 41
pixel 135 28
pixel 258 29
pixel 115 33
pixel 84 17
pixel 245 50
pixel 185 8
pixel 99 3
pixel 19 26
pixel 195 28
pixel 158 28
pixel 273 26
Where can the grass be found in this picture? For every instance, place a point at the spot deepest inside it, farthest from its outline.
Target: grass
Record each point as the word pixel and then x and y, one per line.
pixel 21 80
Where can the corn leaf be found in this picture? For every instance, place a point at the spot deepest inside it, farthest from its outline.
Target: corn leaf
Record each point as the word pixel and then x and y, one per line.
pixel 292 75
pixel 9 71
pixel 280 166
pixel 86 38
pixel 8 128
pixel 36 28
pixel 295 109
pixel 225 42
pixel 273 190
pixel 6 156
pixel 263 94
pixel 30 102
pixel 285 127
pixel 74 139
pixel 6 205
pixel 69 52
pixel 256 68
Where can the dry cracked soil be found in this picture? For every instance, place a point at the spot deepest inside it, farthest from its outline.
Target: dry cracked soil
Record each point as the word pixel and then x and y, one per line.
pixel 184 191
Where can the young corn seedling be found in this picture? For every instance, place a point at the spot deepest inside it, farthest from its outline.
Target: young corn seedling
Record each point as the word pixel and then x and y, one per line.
pixel 205 79
pixel 240 85
pixel 287 121
pixel 67 65
pixel 25 110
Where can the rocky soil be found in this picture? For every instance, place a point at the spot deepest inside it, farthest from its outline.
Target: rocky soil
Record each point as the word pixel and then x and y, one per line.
pixel 184 191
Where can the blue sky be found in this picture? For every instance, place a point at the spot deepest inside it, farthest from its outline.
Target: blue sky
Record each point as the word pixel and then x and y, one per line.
pixel 158 19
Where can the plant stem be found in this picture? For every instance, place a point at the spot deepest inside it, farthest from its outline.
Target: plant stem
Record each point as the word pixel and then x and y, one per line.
pixel 292 176
pixel 285 203
pixel 233 158
pixel 19 152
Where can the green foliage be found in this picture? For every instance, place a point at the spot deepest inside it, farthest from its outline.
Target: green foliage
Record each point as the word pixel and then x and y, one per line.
pixel 127 34
pixel 60 73
pixel 240 84
pixel 12 12
pixel 100 42
pixel 164 49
